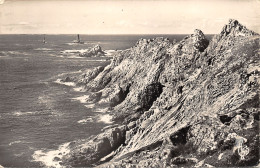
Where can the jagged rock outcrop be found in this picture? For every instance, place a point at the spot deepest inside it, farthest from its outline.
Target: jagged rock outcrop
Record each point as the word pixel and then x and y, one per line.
pixel 234 28
pixel 192 103
pixel 88 152
pixel 85 77
pixel 93 52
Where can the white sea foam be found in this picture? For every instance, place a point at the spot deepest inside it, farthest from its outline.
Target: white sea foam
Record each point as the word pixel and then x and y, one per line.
pixel 82 99
pixel 59 77
pixel 44 99
pixel 51 158
pixel 64 74
pixel 14 142
pixel 75 56
pixel 85 120
pixel 105 119
pixel 6 53
pixel 95 42
pixel 74 51
pixel 101 60
pixel 43 49
pixel 5 57
pixel 79 89
pixel 90 105
pixel 65 83
pixel 72 43
pixel 102 110
pixel 19 113
pixel 110 52
pixel 13 52
pixel 56 55
pixel 18 155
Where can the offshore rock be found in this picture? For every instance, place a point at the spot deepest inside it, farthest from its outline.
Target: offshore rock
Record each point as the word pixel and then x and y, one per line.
pixel 193 103
pixel 93 52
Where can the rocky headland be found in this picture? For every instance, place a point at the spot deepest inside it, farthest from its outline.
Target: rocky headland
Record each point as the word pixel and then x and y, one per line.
pixel 193 103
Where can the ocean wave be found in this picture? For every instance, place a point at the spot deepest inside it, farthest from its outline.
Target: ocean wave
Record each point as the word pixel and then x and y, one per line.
pixel 95 42
pixel 36 113
pixel 18 142
pixel 90 105
pixel 18 155
pixel 75 56
pixel 107 118
pixel 72 43
pixel 43 49
pixel 56 55
pixel 12 52
pixel 65 83
pixel 85 120
pixel 101 60
pixel 110 52
pixel 57 78
pixel 7 53
pixel 67 73
pixel 20 113
pixel 14 142
pixel 101 110
pixel 74 51
pixel 51 158
pixel 4 56
pixel 82 99
pixel 79 89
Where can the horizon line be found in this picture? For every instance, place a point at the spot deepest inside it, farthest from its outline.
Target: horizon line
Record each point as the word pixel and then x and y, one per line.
pixel 99 34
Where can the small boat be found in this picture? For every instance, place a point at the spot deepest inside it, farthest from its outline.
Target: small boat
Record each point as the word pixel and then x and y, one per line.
pixel 44 41
pixel 78 41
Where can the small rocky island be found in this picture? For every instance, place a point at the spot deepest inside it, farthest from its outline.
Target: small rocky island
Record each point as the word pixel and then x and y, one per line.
pixel 95 51
pixel 193 103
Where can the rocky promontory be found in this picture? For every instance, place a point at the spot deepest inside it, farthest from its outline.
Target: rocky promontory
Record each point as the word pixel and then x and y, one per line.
pixel 193 103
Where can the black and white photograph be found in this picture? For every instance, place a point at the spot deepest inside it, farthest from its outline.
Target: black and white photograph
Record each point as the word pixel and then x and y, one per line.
pixel 129 83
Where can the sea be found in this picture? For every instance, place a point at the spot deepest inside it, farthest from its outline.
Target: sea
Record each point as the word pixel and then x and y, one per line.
pixel 39 114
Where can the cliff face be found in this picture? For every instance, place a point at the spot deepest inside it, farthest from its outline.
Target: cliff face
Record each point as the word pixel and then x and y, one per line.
pixel 190 103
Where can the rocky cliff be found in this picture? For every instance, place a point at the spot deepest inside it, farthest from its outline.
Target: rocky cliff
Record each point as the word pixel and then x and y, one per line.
pixel 191 103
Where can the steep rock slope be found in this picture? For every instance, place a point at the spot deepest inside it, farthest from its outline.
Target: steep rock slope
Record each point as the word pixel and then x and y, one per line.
pixel 190 103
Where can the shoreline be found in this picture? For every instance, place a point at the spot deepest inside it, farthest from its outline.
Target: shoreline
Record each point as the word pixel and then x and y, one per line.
pixel 164 103
pixel 159 109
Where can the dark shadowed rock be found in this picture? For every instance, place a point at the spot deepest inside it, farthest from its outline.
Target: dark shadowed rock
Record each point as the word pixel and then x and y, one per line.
pixel 149 95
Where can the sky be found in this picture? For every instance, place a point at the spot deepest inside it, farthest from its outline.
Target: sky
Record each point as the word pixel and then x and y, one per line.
pixel 125 16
